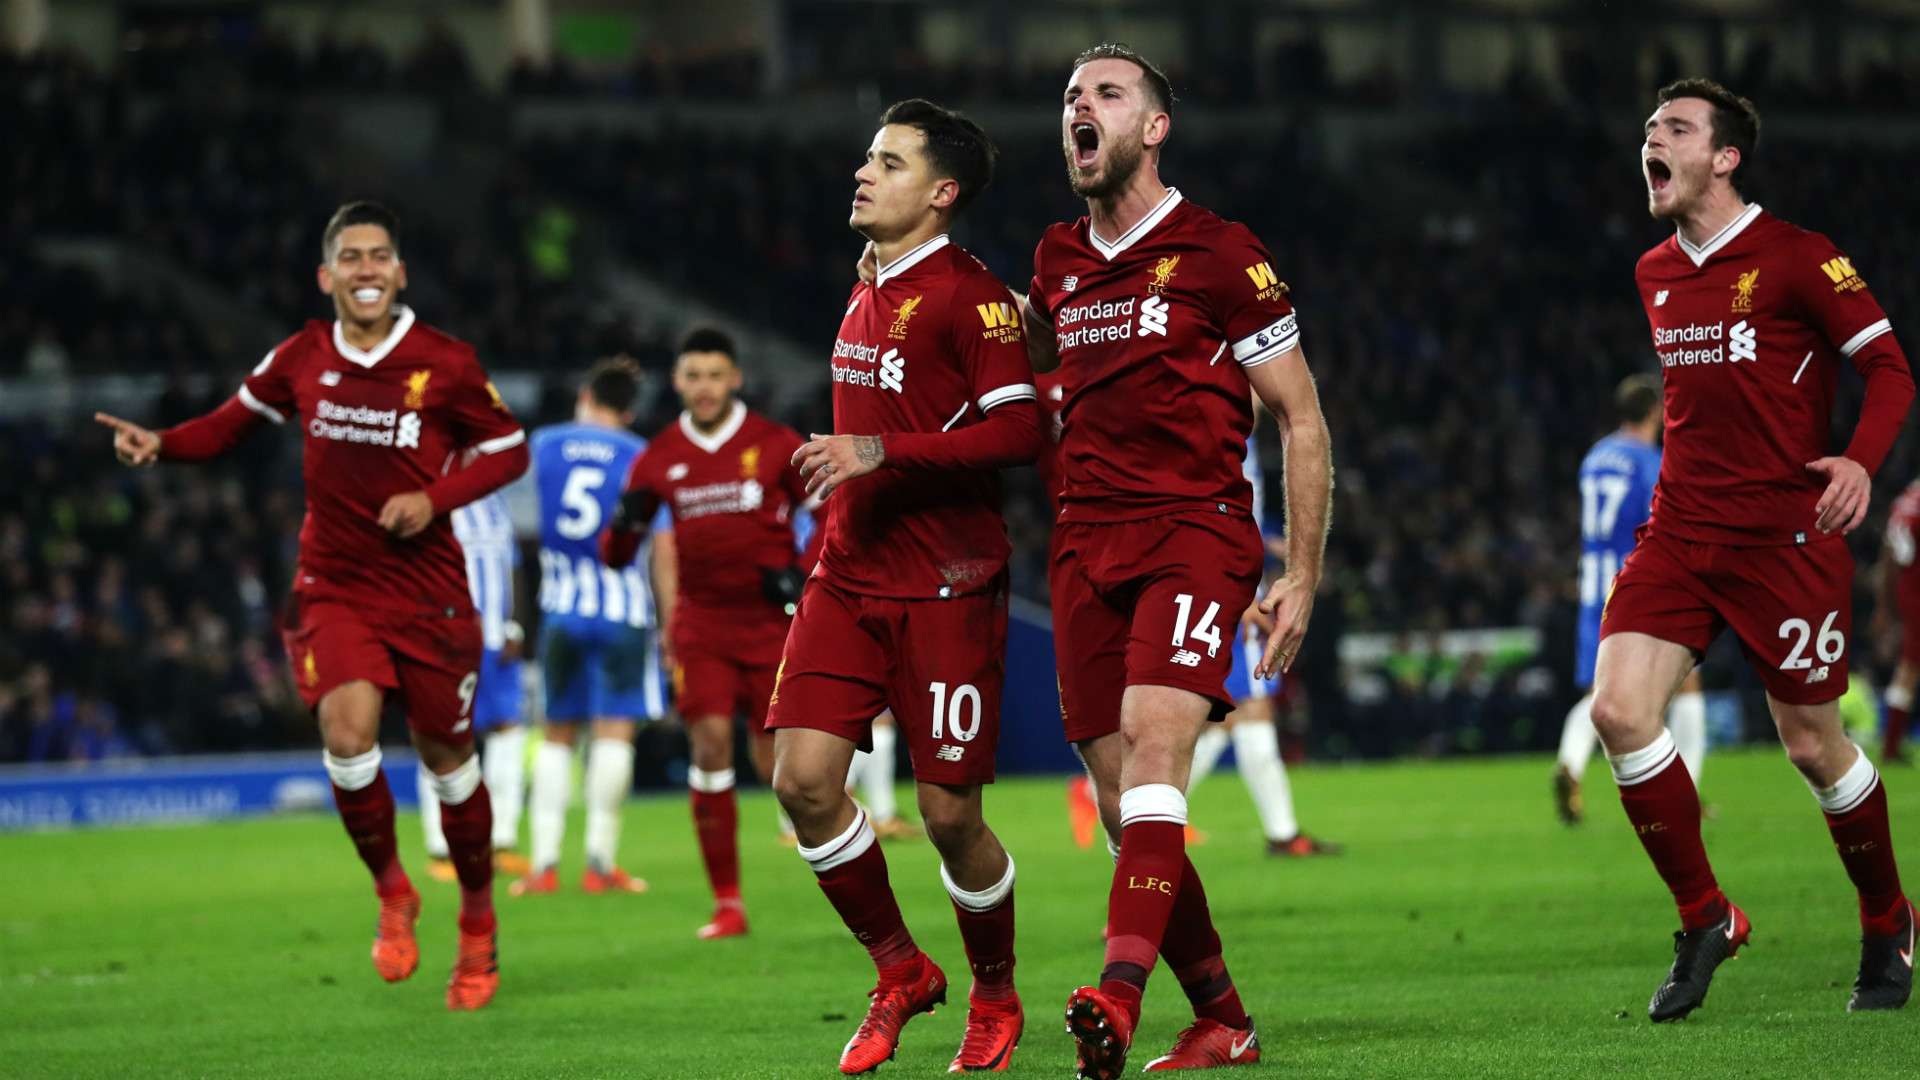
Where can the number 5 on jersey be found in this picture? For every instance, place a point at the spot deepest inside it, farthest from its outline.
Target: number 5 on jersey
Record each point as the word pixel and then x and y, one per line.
pixel 582 508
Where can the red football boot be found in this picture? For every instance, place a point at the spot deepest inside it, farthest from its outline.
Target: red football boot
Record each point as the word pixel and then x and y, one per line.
pixel 1104 1032
pixel 993 1034
pixel 1082 812
pixel 540 883
pixel 894 1002
pixel 476 974
pixel 613 879
pixel 395 952
pixel 1209 1044
pixel 729 920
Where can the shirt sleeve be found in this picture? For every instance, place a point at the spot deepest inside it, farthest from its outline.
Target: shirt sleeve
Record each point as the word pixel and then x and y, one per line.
pixel 267 391
pixel 1250 301
pixel 1835 299
pixel 1036 292
pixel 496 444
pixel 266 394
pixel 991 344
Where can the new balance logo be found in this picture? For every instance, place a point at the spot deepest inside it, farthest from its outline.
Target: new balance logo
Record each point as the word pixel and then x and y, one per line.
pixel 950 752
pixel 893 371
pixel 408 437
pixel 1069 283
pixel 1186 658
pixel 1660 298
pixel 329 378
pixel 678 471
pixel 1741 343
pixel 1153 315
pixel 1818 675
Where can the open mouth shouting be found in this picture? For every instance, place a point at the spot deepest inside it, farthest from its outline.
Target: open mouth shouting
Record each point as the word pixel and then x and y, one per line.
pixel 1086 144
pixel 1659 174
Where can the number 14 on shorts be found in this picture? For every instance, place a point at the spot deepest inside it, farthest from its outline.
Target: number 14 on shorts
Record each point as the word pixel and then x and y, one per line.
pixel 1204 632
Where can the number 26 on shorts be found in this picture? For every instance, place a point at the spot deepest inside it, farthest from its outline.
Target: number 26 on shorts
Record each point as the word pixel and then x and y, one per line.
pixel 1829 646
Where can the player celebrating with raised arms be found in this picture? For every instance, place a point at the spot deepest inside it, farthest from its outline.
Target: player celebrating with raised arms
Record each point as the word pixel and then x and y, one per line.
pixel 380 603
pixel 907 609
pixel 1162 317
pixel 1751 318
pixel 725 475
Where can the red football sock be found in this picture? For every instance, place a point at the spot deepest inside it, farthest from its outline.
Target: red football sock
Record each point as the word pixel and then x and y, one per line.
pixel 1663 805
pixel 853 874
pixel 468 827
pixel 986 928
pixel 1146 879
pixel 716 822
pixel 1864 838
pixel 368 816
pixel 1192 950
pixel 1896 733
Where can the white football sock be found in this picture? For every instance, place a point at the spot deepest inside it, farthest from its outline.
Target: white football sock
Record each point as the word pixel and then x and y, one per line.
pixel 1206 753
pixel 877 782
pixel 547 803
pixel 1577 737
pixel 430 813
pixel 1256 746
pixel 609 780
pixel 505 766
pixel 1687 719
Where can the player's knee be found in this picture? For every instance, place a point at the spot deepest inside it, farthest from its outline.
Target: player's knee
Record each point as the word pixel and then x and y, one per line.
pixel 805 794
pixel 1619 723
pixel 953 830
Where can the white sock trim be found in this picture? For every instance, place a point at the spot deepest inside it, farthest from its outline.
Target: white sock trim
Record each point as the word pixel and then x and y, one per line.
pixel 1641 765
pixel 986 899
pixel 844 848
pixel 459 785
pixel 1153 802
pixel 1898 697
pixel 1851 789
pixel 710 783
pixel 1113 849
pixel 353 773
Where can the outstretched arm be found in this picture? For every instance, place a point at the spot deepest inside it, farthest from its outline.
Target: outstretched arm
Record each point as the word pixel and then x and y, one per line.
pixel 198 439
pixel 1286 387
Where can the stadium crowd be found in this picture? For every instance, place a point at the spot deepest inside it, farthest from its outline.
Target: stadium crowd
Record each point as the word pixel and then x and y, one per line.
pixel 1467 314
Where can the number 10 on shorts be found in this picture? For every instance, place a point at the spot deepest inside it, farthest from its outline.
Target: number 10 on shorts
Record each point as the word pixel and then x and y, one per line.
pixel 1206 632
pixel 948 711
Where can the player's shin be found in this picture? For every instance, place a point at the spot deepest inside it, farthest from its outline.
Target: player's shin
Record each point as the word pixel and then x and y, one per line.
pixel 366 808
pixel 505 771
pixel 716 817
pixel 609 779
pixel 1146 879
pixel 1192 951
pixel 468 821
pixel 986 928
pixel 1664 807
pixel 1256 747
pixel 551 792
pixel 853 873
pixel 1856 812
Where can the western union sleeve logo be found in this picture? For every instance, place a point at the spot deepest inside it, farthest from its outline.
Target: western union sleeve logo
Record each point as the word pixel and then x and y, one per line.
pixel 1263 276
pixel 1839 270
pixel 1002 322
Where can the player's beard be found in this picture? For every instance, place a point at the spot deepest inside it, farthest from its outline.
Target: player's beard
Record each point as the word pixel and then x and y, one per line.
pixel 1123 160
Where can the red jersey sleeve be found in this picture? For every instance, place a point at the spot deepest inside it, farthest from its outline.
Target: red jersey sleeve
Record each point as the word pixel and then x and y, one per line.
pixel 1249 299
pixel 494 440
pixel 1036 293
pixel 1836 300
pixel 265 394
pixel 985 335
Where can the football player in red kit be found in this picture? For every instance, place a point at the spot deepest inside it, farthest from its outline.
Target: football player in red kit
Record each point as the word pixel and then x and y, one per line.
pixel 1166 321
pixel 907 609
pixel 725 474
pixel 1897 617
pixel 1752 319
pixel 389 406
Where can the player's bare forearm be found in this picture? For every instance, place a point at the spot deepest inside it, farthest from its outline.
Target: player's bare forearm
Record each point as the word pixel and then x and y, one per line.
pixel 1043 353
pixel 1285 386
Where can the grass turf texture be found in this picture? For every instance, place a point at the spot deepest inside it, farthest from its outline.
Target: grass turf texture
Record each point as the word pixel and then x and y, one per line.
pixel 1466 933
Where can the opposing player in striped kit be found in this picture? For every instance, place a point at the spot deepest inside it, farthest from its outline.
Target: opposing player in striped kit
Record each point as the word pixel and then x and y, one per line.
pixel 598 655
pixel 485 532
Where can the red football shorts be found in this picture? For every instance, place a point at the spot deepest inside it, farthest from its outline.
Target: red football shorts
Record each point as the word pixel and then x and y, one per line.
pixel 1148 603
pixel 1791 605
pixel 432 663
pixel 938 664
pixel 724 661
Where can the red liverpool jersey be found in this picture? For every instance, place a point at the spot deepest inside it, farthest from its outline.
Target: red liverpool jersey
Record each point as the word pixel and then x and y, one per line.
pixel 1153 331
pixel 1750 329
pixel 1052 387
pixel 732 495
pixel 380 422
pixel 1903 534
pixel 931 345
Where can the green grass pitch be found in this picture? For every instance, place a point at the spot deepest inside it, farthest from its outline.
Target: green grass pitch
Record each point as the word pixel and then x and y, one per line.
pixel 1465 934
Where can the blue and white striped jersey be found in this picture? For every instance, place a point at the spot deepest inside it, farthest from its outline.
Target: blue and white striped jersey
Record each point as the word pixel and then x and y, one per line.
pixel 579 470
pixel 485 531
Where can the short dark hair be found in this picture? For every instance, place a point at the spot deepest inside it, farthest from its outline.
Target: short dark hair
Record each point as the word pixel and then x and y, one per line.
pixel 359 212
pixel 1636 398
pixel 958 148
pixel 708 339
pixel 1156 80
pixel 1736 122
pixel 615 383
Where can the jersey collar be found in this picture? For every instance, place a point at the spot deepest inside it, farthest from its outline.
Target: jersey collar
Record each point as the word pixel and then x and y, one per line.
pixel 1721 239
pixel 368 358
pixel 1140 228
pixel 906 262
pixel 712 443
